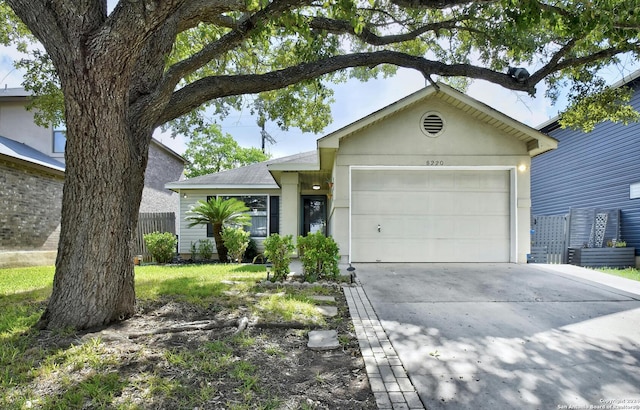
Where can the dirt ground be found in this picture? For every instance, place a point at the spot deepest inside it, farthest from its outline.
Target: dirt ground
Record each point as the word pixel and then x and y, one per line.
pixel 285 373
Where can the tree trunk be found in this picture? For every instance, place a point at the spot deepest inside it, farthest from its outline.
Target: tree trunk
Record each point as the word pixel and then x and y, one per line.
pixel 220 248
pixel 105 163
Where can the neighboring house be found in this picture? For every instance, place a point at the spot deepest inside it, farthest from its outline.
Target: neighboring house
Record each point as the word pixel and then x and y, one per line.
pixel 32 176
pixel 599 169
pixel 434 177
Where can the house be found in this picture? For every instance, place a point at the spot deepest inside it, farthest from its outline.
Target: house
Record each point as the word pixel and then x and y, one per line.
pixel 32 176
pixel 599 169
pixel 434 177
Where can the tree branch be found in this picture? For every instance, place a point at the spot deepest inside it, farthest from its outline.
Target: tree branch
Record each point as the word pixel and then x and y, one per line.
pixel 579 61
pixel 436 4
pixel 227 42
pixel 369 37
pixel 151 102
pixel 201 91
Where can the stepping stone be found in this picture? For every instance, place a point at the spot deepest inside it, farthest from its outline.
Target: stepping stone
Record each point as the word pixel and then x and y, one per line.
pixel 230 282
pixel 320 298
pixel 329 311
pixel 267 294
pixel 321 340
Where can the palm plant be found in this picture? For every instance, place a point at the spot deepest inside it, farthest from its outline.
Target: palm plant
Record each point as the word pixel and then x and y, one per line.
pixel 219 213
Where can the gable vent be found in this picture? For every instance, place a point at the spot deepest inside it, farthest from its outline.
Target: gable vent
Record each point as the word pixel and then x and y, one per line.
pixel 432 124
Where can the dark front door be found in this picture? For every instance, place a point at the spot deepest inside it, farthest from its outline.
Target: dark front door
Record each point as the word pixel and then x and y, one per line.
pixel 314 214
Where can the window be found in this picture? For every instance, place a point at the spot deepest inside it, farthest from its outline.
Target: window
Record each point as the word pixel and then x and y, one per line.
pixel 634 190
pixel 258 211
pixel 59 140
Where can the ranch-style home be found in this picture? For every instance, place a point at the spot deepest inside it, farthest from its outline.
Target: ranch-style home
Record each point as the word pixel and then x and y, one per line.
pixel 434 177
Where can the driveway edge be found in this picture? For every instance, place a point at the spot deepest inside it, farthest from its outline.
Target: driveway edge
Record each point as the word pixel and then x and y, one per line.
pixel 389 381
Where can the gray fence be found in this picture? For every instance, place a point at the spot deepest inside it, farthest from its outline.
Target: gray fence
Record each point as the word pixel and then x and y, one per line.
pixel 549 239
pixel 553 235
pixel 152 222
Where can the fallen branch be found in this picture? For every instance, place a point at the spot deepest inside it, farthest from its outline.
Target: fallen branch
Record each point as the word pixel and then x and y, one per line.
pixel 188 327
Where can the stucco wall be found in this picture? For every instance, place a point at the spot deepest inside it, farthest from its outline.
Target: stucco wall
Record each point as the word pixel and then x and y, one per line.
pixel 29 208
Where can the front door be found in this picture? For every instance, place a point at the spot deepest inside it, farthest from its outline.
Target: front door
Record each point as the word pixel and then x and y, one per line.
pixel 314 215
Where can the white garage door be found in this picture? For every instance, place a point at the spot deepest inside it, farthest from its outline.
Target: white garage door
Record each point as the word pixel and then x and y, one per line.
pixel 430 215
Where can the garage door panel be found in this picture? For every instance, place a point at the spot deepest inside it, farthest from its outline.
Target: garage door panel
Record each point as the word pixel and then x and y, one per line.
pixel 430 216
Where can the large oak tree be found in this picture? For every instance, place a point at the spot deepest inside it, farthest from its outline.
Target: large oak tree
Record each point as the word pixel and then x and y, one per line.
pixel 149 62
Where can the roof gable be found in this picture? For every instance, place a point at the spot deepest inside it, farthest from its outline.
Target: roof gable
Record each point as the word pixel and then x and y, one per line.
pixel 537 142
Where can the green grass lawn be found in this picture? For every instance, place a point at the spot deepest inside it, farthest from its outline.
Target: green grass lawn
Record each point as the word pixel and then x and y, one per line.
pixel 629 273
pixel 86 373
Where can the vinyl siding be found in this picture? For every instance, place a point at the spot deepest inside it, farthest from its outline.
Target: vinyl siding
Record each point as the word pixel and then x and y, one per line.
pixel 592 170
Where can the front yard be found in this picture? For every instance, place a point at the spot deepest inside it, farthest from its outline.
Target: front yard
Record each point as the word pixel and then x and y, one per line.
pixel 629 273
pixel 187 347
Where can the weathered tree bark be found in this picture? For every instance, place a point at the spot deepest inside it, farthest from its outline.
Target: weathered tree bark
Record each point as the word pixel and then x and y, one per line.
pixel 100 72
pixel 105 164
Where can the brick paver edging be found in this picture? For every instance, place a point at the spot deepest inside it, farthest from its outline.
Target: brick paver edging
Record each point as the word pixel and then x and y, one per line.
pixel 389 381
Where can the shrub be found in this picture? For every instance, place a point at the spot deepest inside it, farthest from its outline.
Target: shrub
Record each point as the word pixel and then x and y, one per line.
pixel 236 240
pixel 205 248
pixel 278 250
pixel 319 256
pixel 252 250
pixel 194 251
pixel 161 245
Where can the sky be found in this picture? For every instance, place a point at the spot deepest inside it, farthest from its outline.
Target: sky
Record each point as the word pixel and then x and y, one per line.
pixel 354 100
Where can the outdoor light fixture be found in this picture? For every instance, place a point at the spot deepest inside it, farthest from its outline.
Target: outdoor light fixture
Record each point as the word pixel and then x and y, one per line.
pixel 268 271
pixel 522 167
pixel 352 273
pixel 316 187
pixel 184 195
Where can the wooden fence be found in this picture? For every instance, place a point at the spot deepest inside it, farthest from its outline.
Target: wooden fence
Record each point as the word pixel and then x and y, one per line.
pixel 152 222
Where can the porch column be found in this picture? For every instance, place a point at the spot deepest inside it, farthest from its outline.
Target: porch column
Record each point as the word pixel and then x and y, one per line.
pixel 290 217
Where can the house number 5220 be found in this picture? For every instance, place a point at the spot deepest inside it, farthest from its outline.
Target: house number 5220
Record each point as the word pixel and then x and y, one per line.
pixel 434 163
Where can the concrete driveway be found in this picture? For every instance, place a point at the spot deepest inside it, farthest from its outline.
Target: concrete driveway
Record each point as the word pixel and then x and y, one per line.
pixel 507 336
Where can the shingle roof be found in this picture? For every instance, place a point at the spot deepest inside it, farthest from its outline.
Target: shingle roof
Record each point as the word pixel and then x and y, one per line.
pixel 24 152
pixel 254 175
pixel 14 92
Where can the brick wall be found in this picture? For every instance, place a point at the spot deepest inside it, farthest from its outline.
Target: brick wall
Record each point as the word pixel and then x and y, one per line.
pixel 162 168
pixel 30 205
pixel 31 200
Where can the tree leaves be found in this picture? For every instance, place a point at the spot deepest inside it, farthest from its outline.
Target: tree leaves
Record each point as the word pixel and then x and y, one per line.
pixel 552 39
pixel 209 151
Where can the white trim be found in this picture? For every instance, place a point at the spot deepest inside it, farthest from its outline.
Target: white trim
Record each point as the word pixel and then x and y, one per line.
pixel 513 199
pixel 293 167
pixel 182 186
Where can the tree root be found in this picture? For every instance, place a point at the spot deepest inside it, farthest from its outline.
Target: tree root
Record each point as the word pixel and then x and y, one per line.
pixel 241 324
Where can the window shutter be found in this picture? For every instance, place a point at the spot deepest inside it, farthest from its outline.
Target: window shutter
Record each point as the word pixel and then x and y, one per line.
pixel 274 214
pixel 209 226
